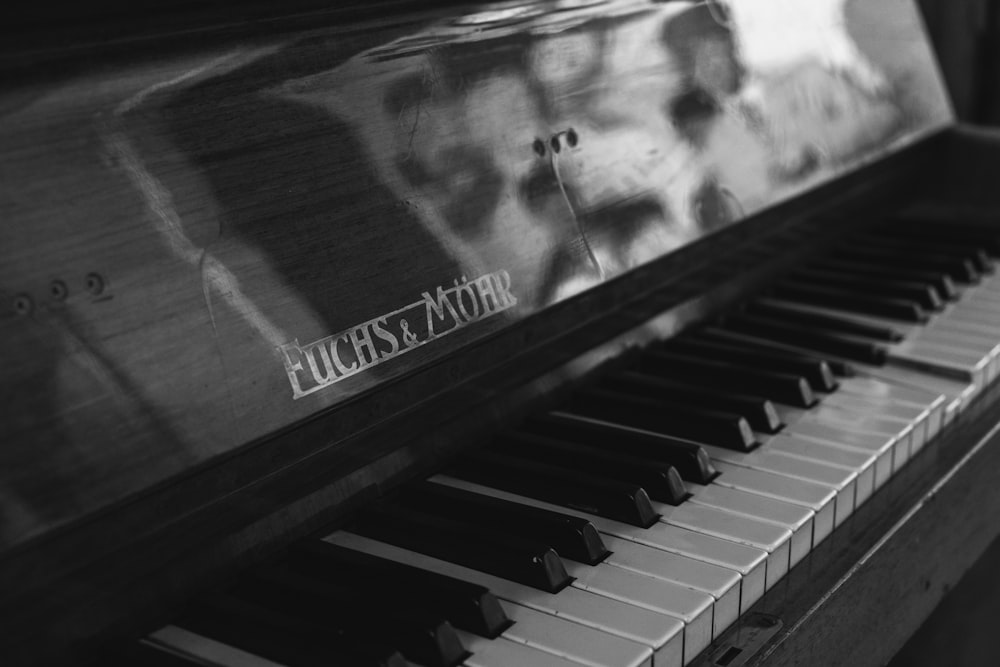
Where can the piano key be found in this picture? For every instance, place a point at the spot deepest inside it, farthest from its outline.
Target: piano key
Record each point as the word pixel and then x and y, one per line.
pixel 758 411
pixel 902 418
pixel 775 540
pixel 841 482
pixel 939 280
pixel 571 537
pixel 958 269
pixel 351 611
pixel 692 607
pixel 569 640
pixel 572 489
pixel 677 420
pixel 148 654
pixel 922 294
pixel 819 375
pixel 906 310
pixel 467 606
pixel 943 247
pixel 873 389
pixel 879 446
pixel 795 518
pixel 863 464
pixel 846 420
pixel 664 634
pixel 794 313
pixel 809 338
pixel 786 387
pixel 686 457
pixel 818 498
pixel 749 562
pixel 281 638
pixel 526 561
pixel 661 482
pixel 721 583
pixel 504 652
pixel 212 652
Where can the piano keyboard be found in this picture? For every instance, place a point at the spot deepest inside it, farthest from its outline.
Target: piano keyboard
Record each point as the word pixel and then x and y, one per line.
pixel 634 523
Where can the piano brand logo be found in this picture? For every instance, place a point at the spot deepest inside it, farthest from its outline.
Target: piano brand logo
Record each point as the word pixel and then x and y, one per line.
pixel 329 360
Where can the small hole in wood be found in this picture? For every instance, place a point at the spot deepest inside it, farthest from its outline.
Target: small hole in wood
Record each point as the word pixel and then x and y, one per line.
pixel 95 283
pixel 572 138
pixel 556 146
pixel 23 304
pixel 539 147
pixel 58 290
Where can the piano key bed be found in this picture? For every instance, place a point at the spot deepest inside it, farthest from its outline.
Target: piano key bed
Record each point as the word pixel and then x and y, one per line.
pixel 639 520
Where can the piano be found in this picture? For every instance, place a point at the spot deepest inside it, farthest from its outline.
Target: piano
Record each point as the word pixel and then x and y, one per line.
pixel 562 332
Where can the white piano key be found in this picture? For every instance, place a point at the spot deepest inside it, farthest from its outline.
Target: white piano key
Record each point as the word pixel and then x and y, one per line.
pixel 692 607
pixel 775 540
pixel 881 447
pixel 570 640
pixel 931 405
pixel 819 499
pixel 797 519
pixel 903 417
pixel 862 464
pixel 653 629
pixel 722 584
pixel 503 652
pixel 749 562
pixel 202 648
pixel 852 421
pixel 957 393
pixel 842 482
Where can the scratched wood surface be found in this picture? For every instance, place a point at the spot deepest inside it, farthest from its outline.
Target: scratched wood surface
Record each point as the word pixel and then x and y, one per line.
pixel 205 244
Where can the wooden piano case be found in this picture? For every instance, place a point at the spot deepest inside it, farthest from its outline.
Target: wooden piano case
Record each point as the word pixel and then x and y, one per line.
pixel 258 274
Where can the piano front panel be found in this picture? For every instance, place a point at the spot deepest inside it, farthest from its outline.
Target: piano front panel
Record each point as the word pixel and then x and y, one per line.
pixel 207 246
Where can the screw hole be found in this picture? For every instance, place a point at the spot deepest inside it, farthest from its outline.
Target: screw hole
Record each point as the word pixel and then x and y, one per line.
pixel 95 283
pixel 58 290
pixel 23 304
pixel 572 138
pixel 556 146
pixel 539 147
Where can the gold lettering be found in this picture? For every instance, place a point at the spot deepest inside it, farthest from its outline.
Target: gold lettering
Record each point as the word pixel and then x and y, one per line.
pixel 379 327
pixel 362 342
pixel 338 361
pixel 292 368
pixel 436 308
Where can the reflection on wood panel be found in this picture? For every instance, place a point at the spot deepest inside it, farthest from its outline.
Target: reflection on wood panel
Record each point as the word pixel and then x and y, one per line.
pixel 201 249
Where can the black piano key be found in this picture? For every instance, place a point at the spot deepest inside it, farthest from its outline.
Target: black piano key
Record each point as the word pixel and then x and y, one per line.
pixel 517 559
pixel 467 606
pixel 689 459
pixel 758 411
pixel 571 537
pixel 281 638
pixel 146 655
pixel 945 247
pixel 816 371
pixel 574 489
pixel 840 368
pixel 778 387
pixel 924 295
pixel 351 611
pixel 979 236
pixel 958 269
pixel 824 321
pixel 897 309
pixel 661 482
pixel 724 429
pixel 810 338
pixel 940 281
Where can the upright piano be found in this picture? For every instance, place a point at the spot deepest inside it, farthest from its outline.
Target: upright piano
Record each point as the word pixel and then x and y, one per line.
pixel 557 332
